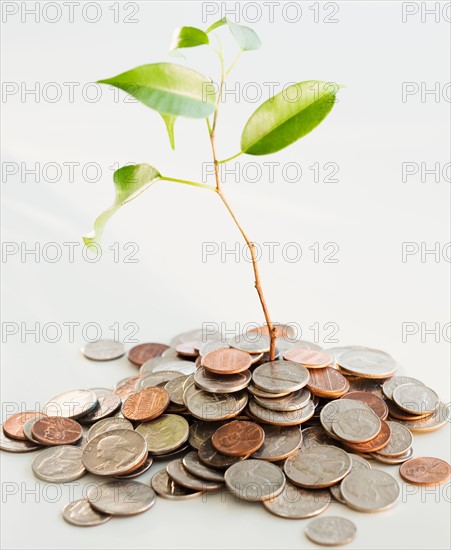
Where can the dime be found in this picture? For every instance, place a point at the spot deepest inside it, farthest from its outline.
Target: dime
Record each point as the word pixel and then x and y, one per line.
pixel 280 442
pixel 368 363
pixel 27 427
pixel 82 514
pixel 376 444
pixel 227 361
pixel 13 426
pixel 425 471
pixel 197 468
pixel 254 390
pixel 416 399
pixel 175 388
pixel 178 473
pixel 221 383
pixel 374 402
pixel 121 498
pixel 56 430
pixel 141 469
pixel 201 335
pixel 170 352
pixel 165 487
pixel 238 438
pixel 124 388
pixel 164 434
pixel 370 490
pixel 331 531
pixel 281 418
pixel 358 463
pixel 148 367
pixel 16 445
pixel 291 402
pixel 213 406
pixel 201 431
pixel 146 404
pixel 330 412
pixel 212 346
pixel 103 350
pixel 280 376
pixel 389 386
pixel 437 420
pixel 316 435
pixel 318 467
pixel 143 352
pixel 400 440
pixel 108 403
pixel 357 426
pixel 254 480
pixel 175 365
pixel 107 425
pixel 327 382
pixel 71 404
pixel 156 379
pixel 251 343
pixel 393 459
pixel 114 453
pixel 58 464
pixel 297 503
pixel 309 358
pixel 211 457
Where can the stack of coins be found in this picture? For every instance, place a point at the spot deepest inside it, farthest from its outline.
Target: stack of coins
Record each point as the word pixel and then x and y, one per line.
pixel 295 433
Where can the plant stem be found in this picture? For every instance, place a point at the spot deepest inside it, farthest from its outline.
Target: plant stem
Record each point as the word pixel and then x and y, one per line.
pixel 187 182
pixel 230 158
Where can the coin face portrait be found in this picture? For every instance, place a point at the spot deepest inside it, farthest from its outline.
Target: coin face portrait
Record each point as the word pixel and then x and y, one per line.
pixel 56 463
pixel 113 449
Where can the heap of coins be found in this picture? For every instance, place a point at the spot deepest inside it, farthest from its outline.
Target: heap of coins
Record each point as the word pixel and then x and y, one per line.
pixel 295 433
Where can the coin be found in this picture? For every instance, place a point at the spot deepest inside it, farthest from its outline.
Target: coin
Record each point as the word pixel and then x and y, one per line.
pixel 400 440
pixel 197 468
pixel 393 459
pixel 109 424
pixel 370 490
pixel 251 343
pixel 395 412
pixel 56 430
pixel 180 452
pixel 213 406
pixel 297 503
pixel 226 361
pixel 146 404
pixel 168 364
pixel 374 402
pixel 330 412
pixel 280 442
pixel 124 388
pixel 143 352
pixel 416 399
pixel 316 435
pixel 280 376
pixel 108 403
pixel 212 346
pixel 358 463
pixel 376 444
pixel 281 418
pixel 201 431
pixel 318 467
pixel 213 458
pixel 254 390
pixel 27 427
pixel 165 487
pixel 141 469
pixel 291 402
pixel 327 382
pixel 164 434
pixel 175 388
pixel 254 480
pixel 285 344
pixel 103 350
pixel 389 386
pixel 149 366
pixel 357 426
pixel 82 514
pixel 188 349
pixel 309 358
pixel 156 379
pixel 71 404
pixel 221 383
pixel 13 426
pixel 58 464
pixel 425 471
pixel 178 473
pixel 114 452
pixel 238 438
pixel 331 531
pixel 368 363
pixel 370 385
pixel 16 445
pixel 121 498
pixel 437 420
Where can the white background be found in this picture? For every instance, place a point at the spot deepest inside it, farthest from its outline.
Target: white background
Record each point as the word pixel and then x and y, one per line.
pixel 369 213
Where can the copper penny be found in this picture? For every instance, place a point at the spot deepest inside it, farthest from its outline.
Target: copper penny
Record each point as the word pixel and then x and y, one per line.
pixel 13 427
pixel 238 438
pixel 127 386
pixel 327 382
pixel 395 412
pixel 310 358
pixel 227 361
pixel 376 444
pixel 374 402
pixel 56 430
pixel 143 352
pixel 146 404
pixel 425 471
pixel 188 349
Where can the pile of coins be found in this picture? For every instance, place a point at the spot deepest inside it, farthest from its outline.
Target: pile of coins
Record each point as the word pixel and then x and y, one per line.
pixel 225 417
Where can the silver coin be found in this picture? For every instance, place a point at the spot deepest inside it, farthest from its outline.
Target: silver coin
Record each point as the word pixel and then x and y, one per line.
pixel 280 442
pixel 371 385
pixel 27 430
pixel 318 467
pixel 121 498
pixel 221 383
pixel 277 376
pixel 399 459
pixel 213 406
pixel 108 403
pixel 251 342
pixel 370 490
pixel 16 445
pixel 197 468
pixel 81 443
pixel 200 335
pixel 214 459
pixel 316 435
pixel 358 463
pixel 254 480
pixel 82 514
pixel 400 442
pixel 149 366
pixel 291 402
pixel 71 404
pixel 389 386
pixel 164 434
pixel 416 399
pixel 285 344
pixel 114 452
pixel 201 431
pixel 165 487
pixel 331 531
pixel 59 464
pixel 356 426
pixel 212 346
pixel 296 503
pixel 103 350
pixel 140 470
pixel 332 410
pixel 254 390
pixel 175 388
pixel 180 366
pixel 178 473
pixel 169 352
pixel 180 452
pixel 155 379
pixel 437 420
pixel 109 424
pixel 281 418
pixel 368 363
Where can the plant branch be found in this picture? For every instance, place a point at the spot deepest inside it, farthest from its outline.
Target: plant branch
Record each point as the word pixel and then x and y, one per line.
pixel 235 61
pixel 230 158
pixel 187 182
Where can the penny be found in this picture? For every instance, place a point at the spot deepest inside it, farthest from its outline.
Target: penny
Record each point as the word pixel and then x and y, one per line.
pixel 416 399
pixel 285 344
pixel 437 420
pixel 188 349
pixel 82 514
pixel 175 388
pixel 13 426
pixel 251 343
pixel 156 379
pixel 238 438
pixel 318 467
pixel 389 386
pixel 376 444
pixel 114 452
pixel 221 383
pixel 254 390
pixel 165 487
pixel 58 464
pixel 330 412
pixel 291 402
pixel 146 404
pixel 213 458
pixel 374 402
pixel 393 459
pixel 164 434
pixel 280 376
pixel 108 403
pixel 368 363
pixel 357 426
pixel 316 435
pixel 197 468
pixel 56 430
pixel 400 442
pixel 16 445
pixel 121 498
pixel 109 424
pixel 124 388
pixel 27 429
pixel 254 480
pixel 201 431
pixel 178 473
pixel 370 490
pixel 358 463
pixel 331 531
pixel 297 503
pixel 103 350
pixel 280 442
pixel 227 361
pixel 370 385
pixel 143 352
pixel 425 471
pixel 327 382
pixel 309 358
pixel 71 404
pixel 141 469
pixel 213 406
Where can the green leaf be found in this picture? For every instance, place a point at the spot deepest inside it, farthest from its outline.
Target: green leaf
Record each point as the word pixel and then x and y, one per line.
pixel 246 37
pixel 129 181
pixel 169 120
pixel 169 89
pixel 288 116
pixel 188 37
pixel 217 24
